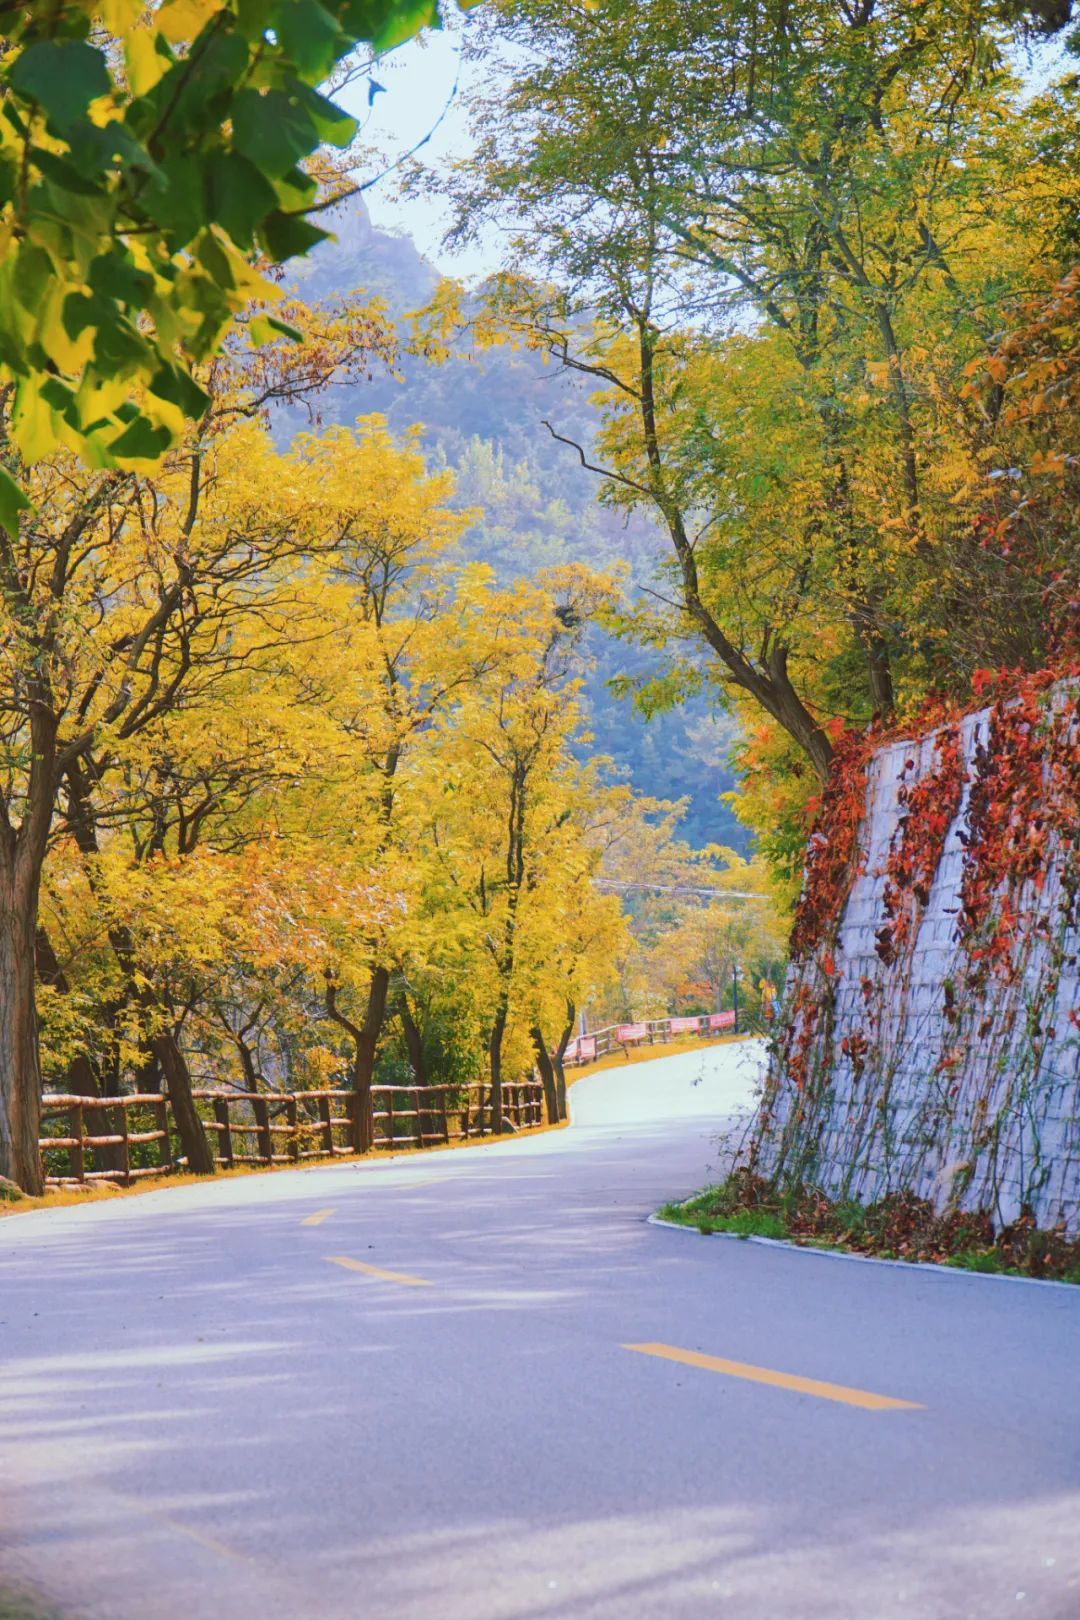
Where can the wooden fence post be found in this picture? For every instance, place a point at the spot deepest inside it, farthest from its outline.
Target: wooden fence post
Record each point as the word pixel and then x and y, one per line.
pixel 75 1129
pixel 443 1118
pixel 125 1145
pixel 292 1115
pixel 224 1136
pixel 161 1121
pixel 261 1109
pixel 327 1128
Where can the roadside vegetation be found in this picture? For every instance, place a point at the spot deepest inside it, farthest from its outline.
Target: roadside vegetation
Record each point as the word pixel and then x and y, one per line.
pixel 897 1227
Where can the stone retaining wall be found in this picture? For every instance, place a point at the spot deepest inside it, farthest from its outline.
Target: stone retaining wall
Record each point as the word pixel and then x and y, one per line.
pixel 951 1070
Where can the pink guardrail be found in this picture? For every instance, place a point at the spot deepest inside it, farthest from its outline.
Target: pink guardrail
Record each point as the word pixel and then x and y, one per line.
pixel 585 1048
pixel 628 1033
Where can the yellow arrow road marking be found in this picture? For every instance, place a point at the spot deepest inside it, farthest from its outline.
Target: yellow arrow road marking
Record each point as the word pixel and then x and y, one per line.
pixel 377 1271
pixel 780 1380
pixel 317 1219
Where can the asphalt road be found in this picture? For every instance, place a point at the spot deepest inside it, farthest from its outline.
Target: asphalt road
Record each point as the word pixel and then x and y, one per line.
pixel 408 1390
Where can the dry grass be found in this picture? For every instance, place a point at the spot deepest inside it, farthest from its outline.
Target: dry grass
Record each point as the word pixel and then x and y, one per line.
pixel 95 1192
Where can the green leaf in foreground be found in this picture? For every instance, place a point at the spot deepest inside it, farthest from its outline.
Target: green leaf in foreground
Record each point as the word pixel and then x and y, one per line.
pixel 12 502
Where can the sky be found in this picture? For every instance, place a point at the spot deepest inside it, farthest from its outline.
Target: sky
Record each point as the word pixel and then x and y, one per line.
pixel 419 103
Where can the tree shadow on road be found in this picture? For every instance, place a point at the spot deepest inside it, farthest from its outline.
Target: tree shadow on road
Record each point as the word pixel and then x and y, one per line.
pixel 205 1411
pixel 21 1606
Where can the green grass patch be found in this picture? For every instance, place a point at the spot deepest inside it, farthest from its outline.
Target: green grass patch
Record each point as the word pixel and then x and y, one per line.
pixel 897 1227
pixel 741 1222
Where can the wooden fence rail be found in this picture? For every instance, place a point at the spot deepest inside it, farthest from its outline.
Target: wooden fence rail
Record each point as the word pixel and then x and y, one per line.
pixel 122 1139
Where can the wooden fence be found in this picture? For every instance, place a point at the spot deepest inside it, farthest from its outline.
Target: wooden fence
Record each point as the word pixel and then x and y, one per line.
pixel 123 1139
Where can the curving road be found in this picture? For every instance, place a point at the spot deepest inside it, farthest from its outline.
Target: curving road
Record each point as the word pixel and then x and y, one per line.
pixel 476 1385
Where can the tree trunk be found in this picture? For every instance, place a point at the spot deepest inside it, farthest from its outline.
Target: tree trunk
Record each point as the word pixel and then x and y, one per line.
pixel 766 679
pixel 365 1112
pixel 414 1042
pixel 252 1076
pixel 367 1041
pixel 189 1126
pixel 365 1038
pixel 498 1030
pixel 148 1075
pixel 20 1069
pixel 22 852
pixel 547 1075
pixel 879 666
pixel 560 1053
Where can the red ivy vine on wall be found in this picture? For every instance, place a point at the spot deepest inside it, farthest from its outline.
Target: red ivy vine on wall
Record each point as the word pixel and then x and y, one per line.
pixel 833 847
pixel 1024 801
pixel 929 806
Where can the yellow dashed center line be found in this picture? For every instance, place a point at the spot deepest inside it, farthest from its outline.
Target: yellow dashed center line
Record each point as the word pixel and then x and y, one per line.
pixel 779 1380
pixel 317 1219
pixel 377 1271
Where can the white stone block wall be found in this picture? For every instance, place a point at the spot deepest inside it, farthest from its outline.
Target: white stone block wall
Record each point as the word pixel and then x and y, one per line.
pixel 999 1128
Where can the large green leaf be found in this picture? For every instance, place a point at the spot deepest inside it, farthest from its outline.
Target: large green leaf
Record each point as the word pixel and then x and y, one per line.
pixel 273 130
pixel 334 126
pixel 175 199
pixel 66 176
pixel 142 441
pixel 96 148
pixel 31 271
pixel 238 196
pixel 405 19
pixel 310 35
pixel 191 98
pixel 63 75
pixel 12 502
pixel 114 276
pixel 285 235
pixel 179 389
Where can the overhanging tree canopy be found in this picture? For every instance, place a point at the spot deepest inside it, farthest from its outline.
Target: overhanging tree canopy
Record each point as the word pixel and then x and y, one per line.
pixel 151 163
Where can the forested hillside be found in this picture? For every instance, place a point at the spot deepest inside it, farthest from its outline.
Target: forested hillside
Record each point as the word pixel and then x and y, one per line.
pixel 482 416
